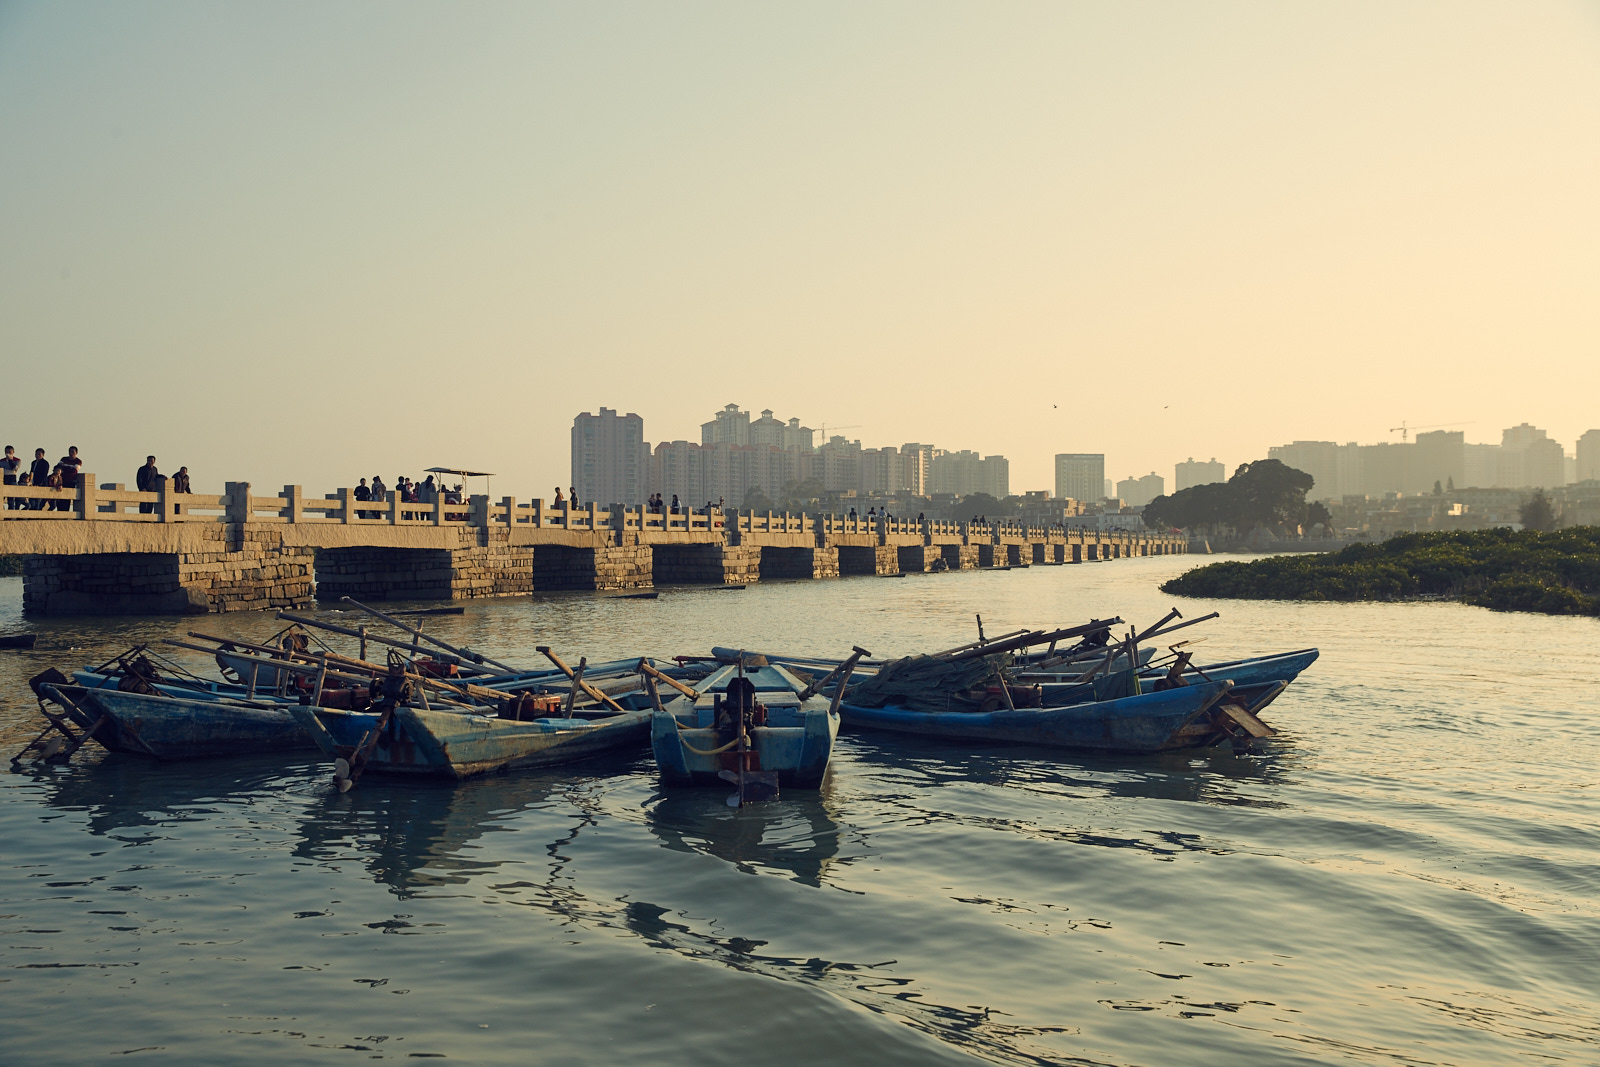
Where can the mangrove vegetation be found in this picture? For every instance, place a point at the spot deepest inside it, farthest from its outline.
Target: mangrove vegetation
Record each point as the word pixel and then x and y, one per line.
pixel 1557 573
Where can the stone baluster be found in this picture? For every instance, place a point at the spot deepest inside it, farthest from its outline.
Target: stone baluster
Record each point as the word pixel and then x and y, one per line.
pixel 347 511
pixel 88 502
pixel 239 506
pixel 295 503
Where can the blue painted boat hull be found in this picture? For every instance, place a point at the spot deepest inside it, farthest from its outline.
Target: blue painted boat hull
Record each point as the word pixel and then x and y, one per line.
pixel 797 743
pixel 174 728
pixel 1255 673
pixel 1152 722
pixel 453 744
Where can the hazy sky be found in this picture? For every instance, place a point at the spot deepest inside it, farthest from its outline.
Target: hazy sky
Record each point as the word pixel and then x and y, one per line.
pixel 308 242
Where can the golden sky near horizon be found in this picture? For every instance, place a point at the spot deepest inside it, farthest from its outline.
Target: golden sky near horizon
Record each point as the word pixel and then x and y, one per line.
pixel 309 242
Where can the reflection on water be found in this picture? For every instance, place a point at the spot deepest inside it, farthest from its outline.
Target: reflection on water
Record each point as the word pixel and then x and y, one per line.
pixel 416 836
pixel 797 834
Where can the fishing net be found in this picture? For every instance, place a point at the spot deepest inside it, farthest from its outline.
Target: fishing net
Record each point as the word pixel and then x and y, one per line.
pixel 928 683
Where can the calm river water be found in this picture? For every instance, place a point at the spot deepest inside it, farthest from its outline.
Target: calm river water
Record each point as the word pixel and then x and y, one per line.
pixel 1409 875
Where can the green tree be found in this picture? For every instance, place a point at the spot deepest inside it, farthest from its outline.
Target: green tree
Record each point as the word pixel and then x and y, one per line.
pixel 981 504
pixel 1450 484
pixel 1271 492
pixel 1264 493
pixel 1316 512
pixel 1538 513
pixel 1438 490
pixel 808 496
pixel 757 501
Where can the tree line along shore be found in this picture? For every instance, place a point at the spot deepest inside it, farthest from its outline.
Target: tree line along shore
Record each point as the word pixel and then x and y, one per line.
pixel 1555 573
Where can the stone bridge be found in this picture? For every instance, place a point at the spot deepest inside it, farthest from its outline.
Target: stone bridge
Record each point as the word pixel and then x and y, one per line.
pixel 103 549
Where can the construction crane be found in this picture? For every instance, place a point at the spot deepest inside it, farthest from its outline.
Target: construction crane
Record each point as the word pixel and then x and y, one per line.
pixel 824 430
pixel 1402 429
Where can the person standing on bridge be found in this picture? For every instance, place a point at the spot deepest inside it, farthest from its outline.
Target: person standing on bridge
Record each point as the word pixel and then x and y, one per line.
pixel 561 501
pixel 40 474
pixel 363 494
pixel 69 466
pixel 180 481
pixel 8 470
pixel 145 481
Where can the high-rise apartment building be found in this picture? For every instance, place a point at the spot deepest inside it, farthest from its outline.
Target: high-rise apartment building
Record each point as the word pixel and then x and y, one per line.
pixel 1588 456
pixel 1081 475
pixel 1529 459
pixel 1194 472
pixel 610 460
pixel 1137 492
pixel 1320 459
pixel 728 426
pixel 919 467
pixel 965 472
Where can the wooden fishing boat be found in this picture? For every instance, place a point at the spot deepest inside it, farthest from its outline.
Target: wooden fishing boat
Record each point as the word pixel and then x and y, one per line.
pixel 1247 675
pixel 1149 722
pixel 464 742
pixel 177 728
pixel 758 728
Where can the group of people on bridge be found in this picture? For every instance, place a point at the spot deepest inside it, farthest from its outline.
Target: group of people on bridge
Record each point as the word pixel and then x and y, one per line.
pixel 406 492
pixel 64 475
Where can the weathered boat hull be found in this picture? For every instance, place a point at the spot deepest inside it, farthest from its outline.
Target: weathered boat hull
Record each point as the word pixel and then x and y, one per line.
pixel 1152 722
pixel 173 728
pixel 796 743
pixel 1258 672
pixel 450 744
pixel 799 755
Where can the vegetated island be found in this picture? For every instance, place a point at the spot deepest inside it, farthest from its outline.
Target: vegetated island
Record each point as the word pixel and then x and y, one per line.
pixel 1555 573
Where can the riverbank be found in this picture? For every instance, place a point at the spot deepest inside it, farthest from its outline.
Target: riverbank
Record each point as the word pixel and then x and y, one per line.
pixel 1551 573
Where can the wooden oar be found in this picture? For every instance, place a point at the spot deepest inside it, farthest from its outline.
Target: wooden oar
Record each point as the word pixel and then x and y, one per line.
pixel 649 671
pixel 577 683
pixel 1181 625
pixel 472 657
pixel 587 688
pixel 315 659
pixel 848 666
pixel 362 634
